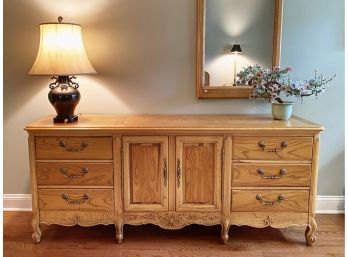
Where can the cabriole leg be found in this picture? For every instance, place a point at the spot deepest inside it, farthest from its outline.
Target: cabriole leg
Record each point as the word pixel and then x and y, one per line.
pixel 36 235
pixel 225 227
pixel 310 232
pixel 119 232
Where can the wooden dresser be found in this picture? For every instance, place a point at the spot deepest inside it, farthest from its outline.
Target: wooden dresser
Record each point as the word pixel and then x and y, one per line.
pixel 173 171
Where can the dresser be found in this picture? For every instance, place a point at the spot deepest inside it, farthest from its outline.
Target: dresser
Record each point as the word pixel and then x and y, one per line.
pixel 173 171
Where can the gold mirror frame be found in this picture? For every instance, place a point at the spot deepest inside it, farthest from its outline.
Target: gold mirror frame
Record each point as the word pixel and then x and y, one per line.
pixel 236 92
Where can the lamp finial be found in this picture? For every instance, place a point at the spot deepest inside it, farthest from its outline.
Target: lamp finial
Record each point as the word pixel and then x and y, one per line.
pixel 60 19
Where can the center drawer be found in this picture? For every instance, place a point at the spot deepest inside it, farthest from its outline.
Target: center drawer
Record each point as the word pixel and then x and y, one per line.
pixel 74 174
pixel 265 200
pixel 75 199
pixel 73 148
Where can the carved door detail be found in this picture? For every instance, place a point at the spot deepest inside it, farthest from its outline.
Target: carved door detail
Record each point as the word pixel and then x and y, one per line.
pixel 198 173
pixel 145 173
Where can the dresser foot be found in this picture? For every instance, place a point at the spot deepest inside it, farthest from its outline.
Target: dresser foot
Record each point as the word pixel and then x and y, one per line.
pixel 119 232
pixel 36 235
pixel 310 232
pixel 225 228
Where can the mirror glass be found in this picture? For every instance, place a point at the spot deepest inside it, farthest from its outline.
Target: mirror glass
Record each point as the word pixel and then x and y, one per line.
pixel 235 34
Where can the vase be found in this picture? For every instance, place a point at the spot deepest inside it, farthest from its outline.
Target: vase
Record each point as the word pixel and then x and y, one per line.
pixel 282 111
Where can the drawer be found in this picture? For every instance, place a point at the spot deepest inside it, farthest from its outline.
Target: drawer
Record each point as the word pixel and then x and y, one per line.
pixel 265 200
pixel 73 148
pixel 75 199
pixel 272 148
pixel 74 174
pixel 254 175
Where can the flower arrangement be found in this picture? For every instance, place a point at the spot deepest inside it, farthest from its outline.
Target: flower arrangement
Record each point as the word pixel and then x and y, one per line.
pixel 272 84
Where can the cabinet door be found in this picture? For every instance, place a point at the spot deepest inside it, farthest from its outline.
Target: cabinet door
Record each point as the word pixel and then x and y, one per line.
pixel 198 173
pixel 145 173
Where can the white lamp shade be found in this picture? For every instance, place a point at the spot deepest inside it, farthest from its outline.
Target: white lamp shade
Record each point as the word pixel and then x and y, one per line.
pixel 61 51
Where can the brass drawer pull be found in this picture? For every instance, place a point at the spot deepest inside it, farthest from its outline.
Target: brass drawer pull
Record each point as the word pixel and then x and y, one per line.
pixel 178 172
pixel 283 145
pixel 64 171
pixel 282 173
pixel 83 145
pixel 165 172
pixel 281 198
pixel 67 198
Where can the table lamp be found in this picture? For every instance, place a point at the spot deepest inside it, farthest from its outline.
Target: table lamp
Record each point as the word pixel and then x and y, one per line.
pixel 62 55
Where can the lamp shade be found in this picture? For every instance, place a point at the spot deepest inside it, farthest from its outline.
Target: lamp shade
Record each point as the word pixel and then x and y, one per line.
pixel 236 49
pixel 61 51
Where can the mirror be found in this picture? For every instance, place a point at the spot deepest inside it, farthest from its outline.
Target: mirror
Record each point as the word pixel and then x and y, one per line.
pixel 231 35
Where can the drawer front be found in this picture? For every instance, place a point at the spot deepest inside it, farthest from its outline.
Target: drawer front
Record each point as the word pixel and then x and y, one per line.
pixel 271 175
pixel 74 174
pixel 270 200
pixel 75 199
pixel 272 148
pixel 73 148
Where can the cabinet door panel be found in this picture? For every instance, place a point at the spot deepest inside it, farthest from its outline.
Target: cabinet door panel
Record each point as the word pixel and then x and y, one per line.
pixel 198 173
pixel 145 173
pixel 198 164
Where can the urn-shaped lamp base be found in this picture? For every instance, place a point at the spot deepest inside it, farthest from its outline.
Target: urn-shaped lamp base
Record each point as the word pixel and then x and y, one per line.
pixel 64 97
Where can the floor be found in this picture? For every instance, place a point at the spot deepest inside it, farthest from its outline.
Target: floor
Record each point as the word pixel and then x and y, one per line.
pixel 151 241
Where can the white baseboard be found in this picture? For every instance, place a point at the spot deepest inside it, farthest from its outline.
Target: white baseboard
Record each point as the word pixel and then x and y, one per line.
pixel 330 205
pixel 17 202
pixel 325 204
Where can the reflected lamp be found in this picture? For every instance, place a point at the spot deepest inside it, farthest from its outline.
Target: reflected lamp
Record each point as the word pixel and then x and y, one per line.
pixel 236 49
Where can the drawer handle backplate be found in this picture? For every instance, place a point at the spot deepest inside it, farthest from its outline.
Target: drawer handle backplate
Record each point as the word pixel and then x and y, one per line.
pixel 67 198
pixel 178 172
pixel 83 145
pixel 64 171
pixel 281 198
pixel 282 173
pixel 263 146
pixel 165 172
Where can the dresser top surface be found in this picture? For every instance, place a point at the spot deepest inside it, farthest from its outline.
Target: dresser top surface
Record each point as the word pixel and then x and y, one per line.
pixel 176 122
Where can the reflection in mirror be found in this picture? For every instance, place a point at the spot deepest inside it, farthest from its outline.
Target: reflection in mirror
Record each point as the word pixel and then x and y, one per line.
pixel 233 34
pixel 248 23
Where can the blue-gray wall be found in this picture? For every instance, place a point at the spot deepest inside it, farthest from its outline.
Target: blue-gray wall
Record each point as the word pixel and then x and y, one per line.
pixel 144 52
pixel 313 38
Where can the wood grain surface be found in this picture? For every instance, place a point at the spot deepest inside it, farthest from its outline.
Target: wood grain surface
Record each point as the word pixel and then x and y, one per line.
pixel 298 148
pixel 206 122
pixel 245 200
pixel 269 219
pixel 145 173
pixel 145 161
pixel 97 148
pixel 198 173
pixel 81 218
pixel 98 199
pixel 152 241
pixel 247 175
pixel 74 174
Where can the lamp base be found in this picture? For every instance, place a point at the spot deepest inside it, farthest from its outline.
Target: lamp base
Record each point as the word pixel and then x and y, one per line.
pixel 59 119
pixel 64 97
